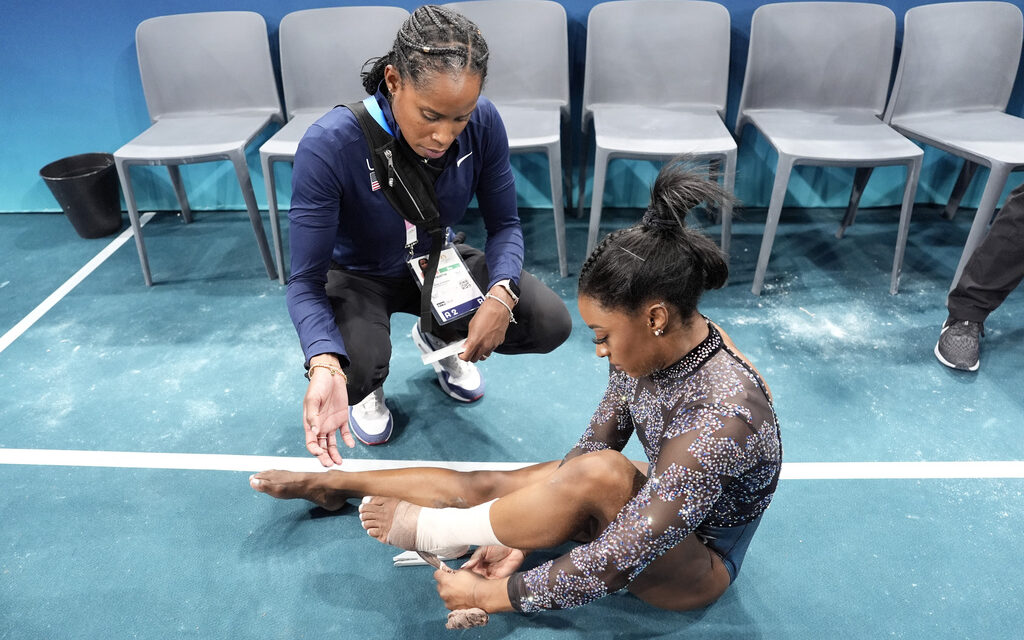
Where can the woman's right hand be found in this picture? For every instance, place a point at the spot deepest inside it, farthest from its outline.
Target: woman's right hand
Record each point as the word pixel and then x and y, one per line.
pixel 325 412
pixel 495 561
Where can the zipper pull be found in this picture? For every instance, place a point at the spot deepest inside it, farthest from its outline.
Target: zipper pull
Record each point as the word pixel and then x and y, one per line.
pixel 391 169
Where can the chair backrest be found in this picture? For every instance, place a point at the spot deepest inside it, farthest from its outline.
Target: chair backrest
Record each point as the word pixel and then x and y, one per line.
pixel 528 42
pixel 215 62
pixel 657 53
pixel 957 56
pixel 323 52
pixel 819 56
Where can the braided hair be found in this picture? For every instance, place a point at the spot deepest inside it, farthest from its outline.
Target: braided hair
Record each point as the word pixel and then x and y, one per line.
pixel 660 258
pixel 431 40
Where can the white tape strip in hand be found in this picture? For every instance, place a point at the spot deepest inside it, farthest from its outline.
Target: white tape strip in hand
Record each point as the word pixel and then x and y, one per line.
pixel 454 348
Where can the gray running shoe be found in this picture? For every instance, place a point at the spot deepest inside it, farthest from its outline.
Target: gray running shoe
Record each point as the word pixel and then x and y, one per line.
pixel 958 346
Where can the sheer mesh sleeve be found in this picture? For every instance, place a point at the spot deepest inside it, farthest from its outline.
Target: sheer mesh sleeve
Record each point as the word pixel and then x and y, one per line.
pixel 707 463
pixel 611 425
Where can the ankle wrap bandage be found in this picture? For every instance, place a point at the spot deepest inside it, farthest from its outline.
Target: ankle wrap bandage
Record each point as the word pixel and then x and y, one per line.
pixel 450 527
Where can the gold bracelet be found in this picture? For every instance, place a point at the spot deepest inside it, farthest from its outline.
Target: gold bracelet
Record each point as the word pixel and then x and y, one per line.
pixel 335 371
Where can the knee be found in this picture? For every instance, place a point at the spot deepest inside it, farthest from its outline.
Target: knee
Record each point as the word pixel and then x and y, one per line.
pixel 554 330
pixel 605 474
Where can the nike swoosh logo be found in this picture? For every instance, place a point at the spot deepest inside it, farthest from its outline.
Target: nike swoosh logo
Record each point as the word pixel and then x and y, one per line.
pixel 459 161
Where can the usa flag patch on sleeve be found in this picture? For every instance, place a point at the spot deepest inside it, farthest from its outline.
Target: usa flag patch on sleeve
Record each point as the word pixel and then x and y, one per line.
pixel 374 185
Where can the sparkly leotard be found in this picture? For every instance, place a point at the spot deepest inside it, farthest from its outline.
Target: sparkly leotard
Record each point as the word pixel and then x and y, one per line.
pixel 710 434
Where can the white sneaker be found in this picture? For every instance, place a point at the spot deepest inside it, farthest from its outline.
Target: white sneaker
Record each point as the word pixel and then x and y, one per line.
pixel 370 419
pixel 459 379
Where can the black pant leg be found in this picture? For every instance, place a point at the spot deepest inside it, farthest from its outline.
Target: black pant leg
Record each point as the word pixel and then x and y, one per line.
pixel 995 268
pixel 362 310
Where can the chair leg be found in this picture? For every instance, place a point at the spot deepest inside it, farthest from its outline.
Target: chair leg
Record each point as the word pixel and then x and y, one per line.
pixel 782 170
pixel 584 147
pixel 986 208
pixel 596 197
pixel 906 210
pixel 860 180
pixel 557 206
pixel 565 148
pixel 133 215
pixel 179 192
pixel 729 182
pixel 714 171
pixel 275 225
pixel 242 171
pixel 959 188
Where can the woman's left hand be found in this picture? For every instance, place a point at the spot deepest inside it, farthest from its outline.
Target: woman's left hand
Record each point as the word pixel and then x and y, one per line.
pixel 487 327
pixel 457 588
pixel 466 590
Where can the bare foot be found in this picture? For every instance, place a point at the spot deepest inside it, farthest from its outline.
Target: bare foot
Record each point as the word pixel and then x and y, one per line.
pixel 287 485
pixel 390 520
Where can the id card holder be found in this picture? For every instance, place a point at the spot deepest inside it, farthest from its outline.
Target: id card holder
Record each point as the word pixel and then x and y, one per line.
pixel 455 294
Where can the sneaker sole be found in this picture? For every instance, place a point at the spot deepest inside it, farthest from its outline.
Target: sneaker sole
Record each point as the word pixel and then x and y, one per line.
pixel 453 394
pixel 949 364
pixel 370 442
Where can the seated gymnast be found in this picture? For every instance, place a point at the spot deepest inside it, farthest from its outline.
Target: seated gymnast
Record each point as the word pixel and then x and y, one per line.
pixel 672 530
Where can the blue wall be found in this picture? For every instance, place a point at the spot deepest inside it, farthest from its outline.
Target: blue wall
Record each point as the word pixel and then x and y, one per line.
pixel 71 85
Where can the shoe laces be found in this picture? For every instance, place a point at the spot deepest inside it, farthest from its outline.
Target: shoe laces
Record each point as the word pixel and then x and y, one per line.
pixel 967 328
pixel 373 404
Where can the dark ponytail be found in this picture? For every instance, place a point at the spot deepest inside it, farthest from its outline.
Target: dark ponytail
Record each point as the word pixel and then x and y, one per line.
pixel 660 258
pixel 431 40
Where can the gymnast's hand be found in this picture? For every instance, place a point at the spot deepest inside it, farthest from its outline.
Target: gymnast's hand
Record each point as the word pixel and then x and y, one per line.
pixel 487 327
pixel 495 561
pixel 325 411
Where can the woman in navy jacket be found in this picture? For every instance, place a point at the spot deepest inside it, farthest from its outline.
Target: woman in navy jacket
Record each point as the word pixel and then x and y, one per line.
pixel 350 248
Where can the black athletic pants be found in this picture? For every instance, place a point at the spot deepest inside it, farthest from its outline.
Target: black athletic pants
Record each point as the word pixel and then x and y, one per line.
pixel 363 306
pixel 995 268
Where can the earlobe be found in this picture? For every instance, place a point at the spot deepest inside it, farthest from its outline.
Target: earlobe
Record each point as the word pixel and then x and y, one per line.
pixel 658 317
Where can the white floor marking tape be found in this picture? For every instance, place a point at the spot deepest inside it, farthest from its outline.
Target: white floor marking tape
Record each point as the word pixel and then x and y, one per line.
pixel 227 462
pixel 72 282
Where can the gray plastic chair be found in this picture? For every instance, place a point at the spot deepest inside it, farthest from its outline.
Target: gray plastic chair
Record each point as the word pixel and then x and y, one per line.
pixel 210 89
pixel 815 86
pixel 655 84
pixel 528 81
pixel 954 80
pixel 322 53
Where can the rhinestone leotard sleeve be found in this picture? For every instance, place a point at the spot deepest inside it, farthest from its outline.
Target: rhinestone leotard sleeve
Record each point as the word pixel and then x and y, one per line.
pixel 711 436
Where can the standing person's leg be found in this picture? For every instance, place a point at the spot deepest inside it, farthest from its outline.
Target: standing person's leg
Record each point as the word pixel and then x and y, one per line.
pixel 542 320
pixel 994 270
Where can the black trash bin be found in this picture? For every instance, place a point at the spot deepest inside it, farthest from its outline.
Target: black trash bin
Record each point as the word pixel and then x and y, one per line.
pixel 86 188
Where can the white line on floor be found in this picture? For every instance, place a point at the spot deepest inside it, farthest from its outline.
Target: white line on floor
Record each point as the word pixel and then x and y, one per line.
pixel 65 289
pixel 226 462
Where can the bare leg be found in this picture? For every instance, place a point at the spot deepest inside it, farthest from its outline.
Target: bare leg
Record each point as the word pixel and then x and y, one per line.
pixel 689 576
pixel 425 486
pixel 584 494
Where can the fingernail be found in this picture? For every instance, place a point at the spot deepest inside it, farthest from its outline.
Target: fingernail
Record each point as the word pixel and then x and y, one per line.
pixel 366 499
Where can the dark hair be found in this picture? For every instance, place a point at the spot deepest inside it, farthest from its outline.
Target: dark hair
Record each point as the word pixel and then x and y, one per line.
pixel 660 258
pixel 431 40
